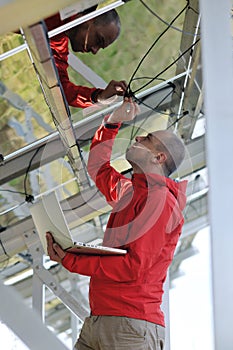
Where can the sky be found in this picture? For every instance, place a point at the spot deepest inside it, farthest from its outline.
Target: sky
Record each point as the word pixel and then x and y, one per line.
pixel 190 304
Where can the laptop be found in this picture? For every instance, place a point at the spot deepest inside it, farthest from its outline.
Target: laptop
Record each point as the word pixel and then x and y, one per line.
pixel 47 216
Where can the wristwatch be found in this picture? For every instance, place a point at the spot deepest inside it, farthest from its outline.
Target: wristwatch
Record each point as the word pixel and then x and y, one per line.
pixel 111 126
pixel 94 95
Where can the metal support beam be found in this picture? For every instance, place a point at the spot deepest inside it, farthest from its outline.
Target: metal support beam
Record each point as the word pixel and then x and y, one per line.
pixel 74 320
pixel 218 80
pixel 28 14
pixel 86 72
pixel 50 281
pixel 38 287
pixel 166 309
pixel 16 164
pixel 88 204
pixel 26 323
pixel 51 147
pixel 85 18
pixel 42 57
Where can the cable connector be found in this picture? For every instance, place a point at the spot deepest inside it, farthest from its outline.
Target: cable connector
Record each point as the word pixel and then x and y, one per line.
pixel 2 228
pixel 29 198
pixel 2 160
pixel 170 83
pixel 128 92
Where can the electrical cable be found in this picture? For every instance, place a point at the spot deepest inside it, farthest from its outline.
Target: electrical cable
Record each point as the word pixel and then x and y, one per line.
pixel 29 197
pixel 4 250
pixel 11 209
pixel 169 66
pixel 195 11
pixel 140 78
pixel 148 78
pixel 167 24
pixel 86 202
pixel 133 133
pixel 154 109
pixel 6 263
pixel 44 85
pixel 132 93
pixel 128 90
pixel 178 119
pixel 12 191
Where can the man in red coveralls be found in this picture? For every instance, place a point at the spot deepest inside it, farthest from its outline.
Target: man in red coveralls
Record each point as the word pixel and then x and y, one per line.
pixel 90 36
pixel 126 291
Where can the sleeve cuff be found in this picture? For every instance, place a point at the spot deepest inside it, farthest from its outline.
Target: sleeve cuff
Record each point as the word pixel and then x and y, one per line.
pixel 94 95
pixel 110 125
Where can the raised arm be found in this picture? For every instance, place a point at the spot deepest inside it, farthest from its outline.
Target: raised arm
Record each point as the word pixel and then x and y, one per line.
pixel 107 179
pixel 77 95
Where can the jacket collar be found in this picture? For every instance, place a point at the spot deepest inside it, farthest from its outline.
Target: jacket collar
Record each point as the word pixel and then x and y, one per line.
pixel 178 189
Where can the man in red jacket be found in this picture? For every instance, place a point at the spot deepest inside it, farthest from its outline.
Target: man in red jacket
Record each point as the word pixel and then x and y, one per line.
pixel 89 36
pixel 126 291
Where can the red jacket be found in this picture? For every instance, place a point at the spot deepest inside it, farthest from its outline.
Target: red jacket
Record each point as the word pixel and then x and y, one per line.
pixel 77 96
pixel 146 220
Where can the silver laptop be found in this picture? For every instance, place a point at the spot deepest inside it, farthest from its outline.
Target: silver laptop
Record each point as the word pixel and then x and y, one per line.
pixel 47 215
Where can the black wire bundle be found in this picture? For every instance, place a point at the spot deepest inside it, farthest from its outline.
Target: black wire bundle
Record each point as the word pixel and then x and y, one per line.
pixel 129 91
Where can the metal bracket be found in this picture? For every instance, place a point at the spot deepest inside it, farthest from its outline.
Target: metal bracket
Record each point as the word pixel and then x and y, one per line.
pixel 46 278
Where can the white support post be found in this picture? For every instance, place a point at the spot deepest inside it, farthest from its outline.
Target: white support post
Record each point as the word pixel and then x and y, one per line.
pixel 50 281
pixel 86 72
pixel 25 323
pixel 218 81
pixel 38 289
pixel 74 319
pixel 166 310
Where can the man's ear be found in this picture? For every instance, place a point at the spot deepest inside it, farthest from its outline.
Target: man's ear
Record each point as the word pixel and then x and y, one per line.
pixel 160 158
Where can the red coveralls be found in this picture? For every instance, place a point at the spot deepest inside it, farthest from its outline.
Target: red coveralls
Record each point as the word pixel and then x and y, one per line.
pixel 147 221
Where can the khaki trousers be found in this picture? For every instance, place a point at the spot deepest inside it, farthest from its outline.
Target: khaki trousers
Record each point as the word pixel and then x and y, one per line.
pixel 120 333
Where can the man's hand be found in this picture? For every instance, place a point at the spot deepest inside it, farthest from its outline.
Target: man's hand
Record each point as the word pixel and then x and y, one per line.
pixel 110 93
pixel 126 112
pixel 55 252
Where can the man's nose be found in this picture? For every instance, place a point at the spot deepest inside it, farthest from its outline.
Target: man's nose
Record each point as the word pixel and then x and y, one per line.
pixel 94 49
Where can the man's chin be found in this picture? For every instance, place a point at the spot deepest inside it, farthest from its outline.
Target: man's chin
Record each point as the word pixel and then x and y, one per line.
pixel 76 49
